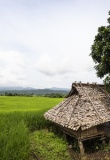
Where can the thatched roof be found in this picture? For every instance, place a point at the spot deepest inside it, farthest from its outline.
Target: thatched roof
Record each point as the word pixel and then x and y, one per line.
pixel 87 105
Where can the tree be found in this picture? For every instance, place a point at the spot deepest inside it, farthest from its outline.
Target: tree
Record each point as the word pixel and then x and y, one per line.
pixel 100 53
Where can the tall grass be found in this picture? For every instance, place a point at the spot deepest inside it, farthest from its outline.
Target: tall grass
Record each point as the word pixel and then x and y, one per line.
pixel 14 142
pixel 18 117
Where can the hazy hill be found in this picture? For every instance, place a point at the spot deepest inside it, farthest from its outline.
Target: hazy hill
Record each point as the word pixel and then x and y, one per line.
pixel 29 91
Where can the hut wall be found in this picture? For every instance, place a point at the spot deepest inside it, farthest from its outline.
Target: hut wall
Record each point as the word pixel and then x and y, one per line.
pixel 92 132
pixel 85 134
pixel 88 133
pixel 70 132
pixel 106 127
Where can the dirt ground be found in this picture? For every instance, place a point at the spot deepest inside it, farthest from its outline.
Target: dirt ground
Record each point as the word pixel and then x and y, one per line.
pixel 97 155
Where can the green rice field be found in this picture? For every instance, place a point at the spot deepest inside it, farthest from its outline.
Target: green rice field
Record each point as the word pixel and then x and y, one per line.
pixel 11 103
pixel 20 117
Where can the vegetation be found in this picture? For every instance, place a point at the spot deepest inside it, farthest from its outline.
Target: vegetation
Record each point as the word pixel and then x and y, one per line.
pixel 19 117
pixel 14 141
pixel 35 92
pixel 49 146
pixel 100 52
pixel 55 95
pixel 24 132
pixel 9 104
pixel 52 95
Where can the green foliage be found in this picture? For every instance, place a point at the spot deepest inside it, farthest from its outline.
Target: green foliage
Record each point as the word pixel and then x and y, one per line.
pixel 14 141
pixel 53 95
pixel 35 120
pixel 100 52
pixel 107 147
pixel 14 133
pixel 107 82
pixel 46 145
pixel 19 116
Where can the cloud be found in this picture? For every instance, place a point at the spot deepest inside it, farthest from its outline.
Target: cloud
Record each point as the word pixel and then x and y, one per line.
pixel 73 64
pixel 88 65
pixel 12 66
pixel 52 66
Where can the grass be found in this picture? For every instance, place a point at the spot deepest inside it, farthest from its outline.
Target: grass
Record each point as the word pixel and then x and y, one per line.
pixel 19 116
pixel 14 141
pixel 23 133
pixel 49 146
pixel 9 104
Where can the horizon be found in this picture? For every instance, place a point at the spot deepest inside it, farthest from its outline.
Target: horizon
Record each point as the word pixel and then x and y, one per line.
pixel 31 87
pixel 26 87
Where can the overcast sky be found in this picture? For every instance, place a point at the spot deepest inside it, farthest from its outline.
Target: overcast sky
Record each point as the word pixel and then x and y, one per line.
pixel 46 43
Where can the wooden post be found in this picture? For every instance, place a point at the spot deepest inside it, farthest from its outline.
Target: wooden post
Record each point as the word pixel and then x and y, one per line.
pixel 103 139
pixel 81 147
pixel 65 136
pixel 109 141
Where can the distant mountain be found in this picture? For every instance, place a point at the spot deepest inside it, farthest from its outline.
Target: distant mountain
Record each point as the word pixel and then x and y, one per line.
pixel 33 91
pixel 30 88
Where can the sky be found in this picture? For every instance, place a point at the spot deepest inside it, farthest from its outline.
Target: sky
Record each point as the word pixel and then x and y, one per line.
pixel 47 43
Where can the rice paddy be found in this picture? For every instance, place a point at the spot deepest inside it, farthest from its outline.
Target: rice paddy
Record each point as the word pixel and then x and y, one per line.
pixel 19 118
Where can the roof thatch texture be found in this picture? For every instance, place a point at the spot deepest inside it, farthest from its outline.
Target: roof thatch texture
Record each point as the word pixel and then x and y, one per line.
pixel 87 105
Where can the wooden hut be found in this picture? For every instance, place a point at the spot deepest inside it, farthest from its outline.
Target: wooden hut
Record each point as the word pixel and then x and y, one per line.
pixel 84 114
